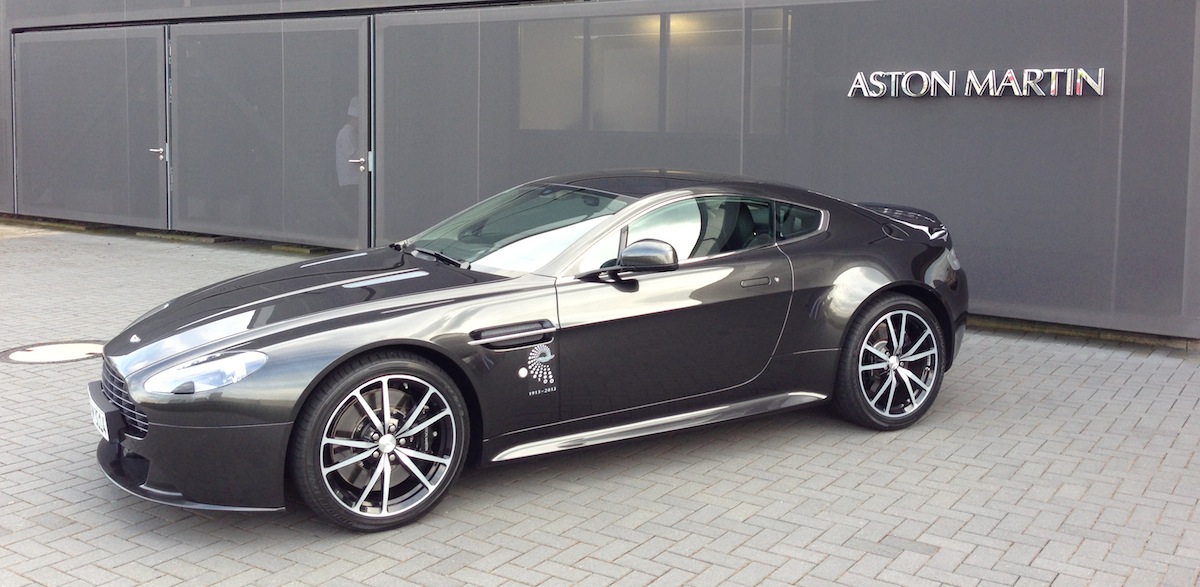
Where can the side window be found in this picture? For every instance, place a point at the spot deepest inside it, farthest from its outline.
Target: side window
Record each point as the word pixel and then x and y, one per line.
pixel 732 224
pixel 793 221
pixel 696 228
pixel 678 224
pixel 601 254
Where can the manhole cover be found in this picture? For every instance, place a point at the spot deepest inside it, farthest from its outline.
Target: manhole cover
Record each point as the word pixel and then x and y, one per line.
pixel 53 352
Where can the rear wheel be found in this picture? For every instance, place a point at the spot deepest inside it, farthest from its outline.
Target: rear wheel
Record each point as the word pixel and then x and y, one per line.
pixel 380 442
pixel 891 366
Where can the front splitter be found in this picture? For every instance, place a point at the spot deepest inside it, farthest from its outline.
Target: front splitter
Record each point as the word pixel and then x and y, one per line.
pixel 130 472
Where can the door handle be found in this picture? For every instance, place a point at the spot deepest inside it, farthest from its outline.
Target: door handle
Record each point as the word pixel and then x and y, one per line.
pixel 162 153
pixel 361 162
pixel 756 281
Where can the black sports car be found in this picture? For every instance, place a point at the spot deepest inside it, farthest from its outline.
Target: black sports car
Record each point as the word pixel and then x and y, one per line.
pixel 562 313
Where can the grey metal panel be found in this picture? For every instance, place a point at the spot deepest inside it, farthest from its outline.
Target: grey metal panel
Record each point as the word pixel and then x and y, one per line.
pixel 643 104
pixel 40 12
pixel 427 74
pixel 468 102
pixel 1191 264
pixel 1028 186
pixel 256 114
pixel 144 9
pixel 7 191
pixel 89 107
pixel 1153 202
pixel 58 13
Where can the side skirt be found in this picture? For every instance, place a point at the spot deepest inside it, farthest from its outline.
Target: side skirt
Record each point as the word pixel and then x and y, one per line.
pixel 660 425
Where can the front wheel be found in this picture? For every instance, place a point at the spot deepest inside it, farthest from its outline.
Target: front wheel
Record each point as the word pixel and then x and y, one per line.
pixel 891 366
pixel 380 442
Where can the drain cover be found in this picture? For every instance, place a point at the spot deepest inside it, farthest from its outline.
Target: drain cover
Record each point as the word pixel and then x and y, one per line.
pixel 53 352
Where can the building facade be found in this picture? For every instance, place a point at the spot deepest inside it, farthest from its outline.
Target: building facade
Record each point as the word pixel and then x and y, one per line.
pixel 1060 141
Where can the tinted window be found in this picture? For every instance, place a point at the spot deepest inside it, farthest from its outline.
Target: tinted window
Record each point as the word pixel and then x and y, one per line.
pixel 695 228
pixel 732 224
pixel 793 221
pixel 521 229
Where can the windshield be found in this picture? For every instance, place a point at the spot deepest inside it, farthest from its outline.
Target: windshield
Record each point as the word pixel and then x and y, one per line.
pixel 521 229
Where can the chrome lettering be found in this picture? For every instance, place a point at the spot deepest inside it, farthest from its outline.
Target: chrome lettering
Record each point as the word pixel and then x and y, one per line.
pixel 880 87
pixel 907 83
pixel 1032 77
pixel 1010 82
pixel 894 75
pixel 859 85
pixel 1054 79
pixel 946 85
pixel 988 83
pixel 1096 83
pixel 1029 82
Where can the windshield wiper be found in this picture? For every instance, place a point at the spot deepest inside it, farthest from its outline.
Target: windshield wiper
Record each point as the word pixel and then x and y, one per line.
pixel 436 255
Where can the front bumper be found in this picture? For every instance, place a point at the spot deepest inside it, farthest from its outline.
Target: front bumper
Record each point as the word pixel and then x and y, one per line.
pixel 237 468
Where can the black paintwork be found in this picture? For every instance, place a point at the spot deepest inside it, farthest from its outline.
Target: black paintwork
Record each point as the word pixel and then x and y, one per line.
pixel 722 329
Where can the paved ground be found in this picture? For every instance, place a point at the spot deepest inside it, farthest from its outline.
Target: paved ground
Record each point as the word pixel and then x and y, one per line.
pixel 1044 461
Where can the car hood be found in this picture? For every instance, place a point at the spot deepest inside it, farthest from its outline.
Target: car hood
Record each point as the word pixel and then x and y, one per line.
pixel 275 295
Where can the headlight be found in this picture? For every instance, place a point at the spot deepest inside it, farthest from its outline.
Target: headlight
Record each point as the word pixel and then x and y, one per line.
pixel 206 374
pixel 953 258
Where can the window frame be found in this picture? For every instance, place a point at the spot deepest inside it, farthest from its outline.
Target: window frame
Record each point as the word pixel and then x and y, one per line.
pixel 822 224
pixel 622 230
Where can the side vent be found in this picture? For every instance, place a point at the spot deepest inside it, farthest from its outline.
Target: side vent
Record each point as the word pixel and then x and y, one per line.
pixel 513 336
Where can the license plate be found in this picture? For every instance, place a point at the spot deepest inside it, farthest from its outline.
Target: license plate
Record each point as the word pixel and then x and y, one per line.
pixel 99 419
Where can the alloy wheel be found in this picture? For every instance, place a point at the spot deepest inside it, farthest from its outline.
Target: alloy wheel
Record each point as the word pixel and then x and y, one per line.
pixel 898 363
pixel 388 446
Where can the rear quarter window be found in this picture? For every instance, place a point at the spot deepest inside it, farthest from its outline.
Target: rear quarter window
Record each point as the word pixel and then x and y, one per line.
pixel 794 221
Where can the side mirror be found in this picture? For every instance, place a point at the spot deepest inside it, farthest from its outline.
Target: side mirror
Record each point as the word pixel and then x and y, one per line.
pixel 644 256
pixel 648 255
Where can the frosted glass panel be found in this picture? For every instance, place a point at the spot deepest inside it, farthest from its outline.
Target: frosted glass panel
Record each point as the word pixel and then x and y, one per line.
pixel 266 116
pixel 90 107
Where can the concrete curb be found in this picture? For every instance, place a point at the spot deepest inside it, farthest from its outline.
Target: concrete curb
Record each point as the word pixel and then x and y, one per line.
pixel 1016 325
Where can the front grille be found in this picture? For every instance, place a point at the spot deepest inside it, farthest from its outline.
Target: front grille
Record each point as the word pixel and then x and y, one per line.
pixel 114 389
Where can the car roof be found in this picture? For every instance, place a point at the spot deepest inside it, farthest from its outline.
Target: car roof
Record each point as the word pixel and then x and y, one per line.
pixel 642 182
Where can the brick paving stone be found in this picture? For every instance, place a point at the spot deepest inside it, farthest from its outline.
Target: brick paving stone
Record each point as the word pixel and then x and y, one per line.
pixel 1045 461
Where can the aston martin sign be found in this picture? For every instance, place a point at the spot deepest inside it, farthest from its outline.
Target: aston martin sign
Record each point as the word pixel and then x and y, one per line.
pixel 1051 82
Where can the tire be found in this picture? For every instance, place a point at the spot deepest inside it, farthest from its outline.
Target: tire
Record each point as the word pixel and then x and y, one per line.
pixel 891 365
pixel 363 472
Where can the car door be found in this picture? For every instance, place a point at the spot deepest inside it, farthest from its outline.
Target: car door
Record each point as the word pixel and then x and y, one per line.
pixel 710 325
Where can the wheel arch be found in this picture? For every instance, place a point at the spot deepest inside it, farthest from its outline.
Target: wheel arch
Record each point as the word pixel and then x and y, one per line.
pixel 928 298
pixel 436 356
pixel 848 398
